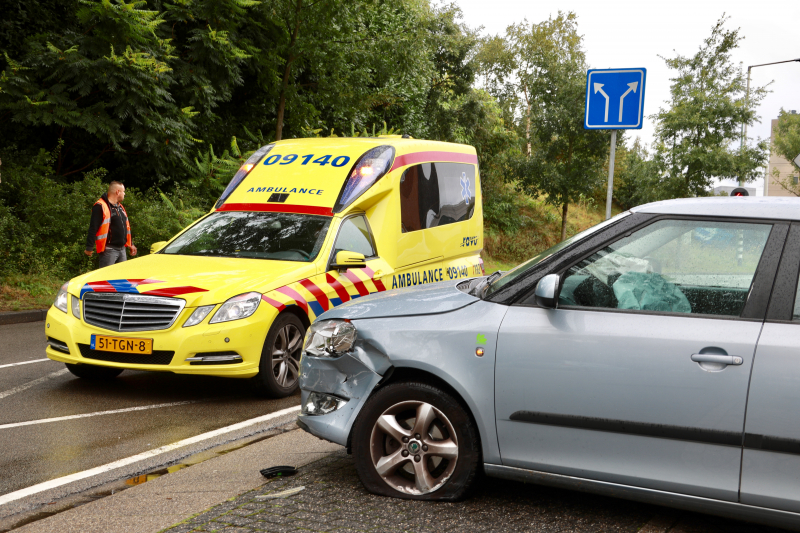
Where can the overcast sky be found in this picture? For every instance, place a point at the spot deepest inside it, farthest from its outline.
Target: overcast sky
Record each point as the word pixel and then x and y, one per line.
pixel 633 33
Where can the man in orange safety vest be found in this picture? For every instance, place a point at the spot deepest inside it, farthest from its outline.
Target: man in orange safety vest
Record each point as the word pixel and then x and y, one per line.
pixel 110 229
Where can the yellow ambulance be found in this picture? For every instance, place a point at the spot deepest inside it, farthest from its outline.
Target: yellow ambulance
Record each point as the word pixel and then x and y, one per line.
pixel 304 225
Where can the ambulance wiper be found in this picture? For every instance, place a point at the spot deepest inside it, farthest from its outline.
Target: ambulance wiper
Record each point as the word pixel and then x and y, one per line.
pixel 202 252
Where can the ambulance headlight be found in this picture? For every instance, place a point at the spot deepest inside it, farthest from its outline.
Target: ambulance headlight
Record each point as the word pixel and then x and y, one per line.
pixel 76 307
pixel 197 316
pixel 330 338
pixel 241 306
pixel 369 168
pixel 61 298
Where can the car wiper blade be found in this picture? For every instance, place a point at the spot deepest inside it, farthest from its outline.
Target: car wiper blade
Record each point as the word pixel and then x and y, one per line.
pixel 476 291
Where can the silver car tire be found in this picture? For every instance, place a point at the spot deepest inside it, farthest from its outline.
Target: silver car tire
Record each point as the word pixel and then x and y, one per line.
pixel 415 441
pixel 279 368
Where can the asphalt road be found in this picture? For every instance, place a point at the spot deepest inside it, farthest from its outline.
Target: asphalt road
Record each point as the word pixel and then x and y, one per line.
pixel 175 408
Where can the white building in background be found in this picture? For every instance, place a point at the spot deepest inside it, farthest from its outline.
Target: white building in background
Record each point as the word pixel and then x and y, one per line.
pixel 772 185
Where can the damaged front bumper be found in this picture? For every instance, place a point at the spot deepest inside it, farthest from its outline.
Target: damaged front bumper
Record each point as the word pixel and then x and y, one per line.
pixel 341 385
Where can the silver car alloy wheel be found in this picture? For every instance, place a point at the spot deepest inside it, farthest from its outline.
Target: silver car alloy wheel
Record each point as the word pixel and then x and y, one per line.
pixel 286 355
pixel 414 447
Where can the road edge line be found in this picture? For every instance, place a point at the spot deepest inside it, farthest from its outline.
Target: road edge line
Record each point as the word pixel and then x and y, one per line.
pixel 61 481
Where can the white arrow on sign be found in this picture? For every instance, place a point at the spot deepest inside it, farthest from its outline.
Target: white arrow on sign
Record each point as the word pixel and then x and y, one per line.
pixel 599 87
pixel 631 87
pixel 797 160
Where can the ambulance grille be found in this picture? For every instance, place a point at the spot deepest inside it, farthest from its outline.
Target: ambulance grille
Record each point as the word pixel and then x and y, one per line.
pixel 130 312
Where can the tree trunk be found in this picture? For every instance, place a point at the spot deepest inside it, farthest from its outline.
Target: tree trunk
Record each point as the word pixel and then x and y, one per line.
pixel 564 210
pixel 286 71
pixel 528 123
pixel 528 130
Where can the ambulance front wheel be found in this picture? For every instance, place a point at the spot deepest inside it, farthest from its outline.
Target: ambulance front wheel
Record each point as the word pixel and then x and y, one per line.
pixel 279 369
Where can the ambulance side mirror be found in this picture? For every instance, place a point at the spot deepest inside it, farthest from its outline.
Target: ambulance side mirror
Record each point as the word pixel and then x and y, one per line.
pixel 346 259
pixel 156 246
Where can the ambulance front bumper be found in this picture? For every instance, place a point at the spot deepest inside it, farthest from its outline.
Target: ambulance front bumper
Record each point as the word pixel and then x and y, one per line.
pixel 228 349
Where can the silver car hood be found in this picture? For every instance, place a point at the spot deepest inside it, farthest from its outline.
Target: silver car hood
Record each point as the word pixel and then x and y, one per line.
pixel 421 300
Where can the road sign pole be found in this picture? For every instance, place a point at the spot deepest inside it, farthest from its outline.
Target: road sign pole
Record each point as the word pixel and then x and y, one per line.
pixel 611 172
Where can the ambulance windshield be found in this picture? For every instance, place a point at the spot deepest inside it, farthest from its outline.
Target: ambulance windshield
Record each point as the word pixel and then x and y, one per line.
pixel 276 236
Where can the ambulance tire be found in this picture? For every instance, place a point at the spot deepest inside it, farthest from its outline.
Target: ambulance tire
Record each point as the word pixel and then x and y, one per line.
pixel 279 369
pixel 94 372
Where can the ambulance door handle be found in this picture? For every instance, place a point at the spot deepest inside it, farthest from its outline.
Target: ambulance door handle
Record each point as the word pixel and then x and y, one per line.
pixel 378 274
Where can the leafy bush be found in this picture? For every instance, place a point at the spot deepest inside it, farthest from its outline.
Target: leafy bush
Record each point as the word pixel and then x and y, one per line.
pixel 44 222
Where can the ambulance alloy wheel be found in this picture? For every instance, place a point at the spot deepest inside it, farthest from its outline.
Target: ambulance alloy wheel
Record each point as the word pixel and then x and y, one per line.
pixel 94 371
pixel 279 369
pixel 415 441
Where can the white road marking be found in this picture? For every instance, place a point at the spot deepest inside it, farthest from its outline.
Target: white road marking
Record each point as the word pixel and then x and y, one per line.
pixel 58 482
pixel 87 415
pixel 26 362
pixel 28 385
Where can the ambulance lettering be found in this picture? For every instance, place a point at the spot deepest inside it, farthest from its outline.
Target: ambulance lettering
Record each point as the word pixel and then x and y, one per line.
pixel 422 277
pixel 287 190
pixel 458 272
pixel 469 241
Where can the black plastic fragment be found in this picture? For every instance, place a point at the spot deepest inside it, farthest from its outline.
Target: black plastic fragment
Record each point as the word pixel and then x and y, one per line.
pixel 279 471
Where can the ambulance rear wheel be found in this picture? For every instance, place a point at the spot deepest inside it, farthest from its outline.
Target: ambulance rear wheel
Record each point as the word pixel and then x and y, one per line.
pixel 279 369
pixel 94 372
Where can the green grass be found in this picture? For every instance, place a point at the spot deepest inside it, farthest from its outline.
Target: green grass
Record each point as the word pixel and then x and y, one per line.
pixel 20 292
pixel 540 230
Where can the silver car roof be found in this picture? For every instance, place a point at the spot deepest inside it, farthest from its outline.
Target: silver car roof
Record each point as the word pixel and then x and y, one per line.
pixel 727 206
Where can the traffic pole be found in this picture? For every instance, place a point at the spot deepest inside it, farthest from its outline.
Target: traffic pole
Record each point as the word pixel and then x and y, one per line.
pixel 611 172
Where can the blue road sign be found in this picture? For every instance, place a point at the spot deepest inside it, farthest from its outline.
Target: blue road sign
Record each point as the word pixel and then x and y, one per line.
pixel 614 99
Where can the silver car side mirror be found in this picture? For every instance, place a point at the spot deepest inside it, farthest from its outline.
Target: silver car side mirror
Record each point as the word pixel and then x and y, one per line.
pixel 546 290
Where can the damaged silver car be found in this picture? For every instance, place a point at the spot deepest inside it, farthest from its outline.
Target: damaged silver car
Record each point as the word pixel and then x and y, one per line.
pixel 652 357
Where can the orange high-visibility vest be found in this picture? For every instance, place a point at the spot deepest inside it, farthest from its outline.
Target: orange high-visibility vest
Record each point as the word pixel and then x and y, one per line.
pixel 102 233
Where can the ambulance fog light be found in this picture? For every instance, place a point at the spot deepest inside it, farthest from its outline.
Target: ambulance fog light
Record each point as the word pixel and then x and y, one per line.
pixel 330 338
pixel 199 314
pixel 76 307
pixel 236 308
pixel 322 404
pixel 61 298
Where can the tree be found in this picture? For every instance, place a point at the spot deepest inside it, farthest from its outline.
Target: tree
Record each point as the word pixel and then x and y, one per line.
pixel 564 160
pixel 113 85
pixel 786 143
pixel 638 178
pixel 697 138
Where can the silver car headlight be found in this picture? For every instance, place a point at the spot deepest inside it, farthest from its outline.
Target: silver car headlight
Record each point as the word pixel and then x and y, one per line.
pixel 330 338
pixel 62 297
pixel 238 307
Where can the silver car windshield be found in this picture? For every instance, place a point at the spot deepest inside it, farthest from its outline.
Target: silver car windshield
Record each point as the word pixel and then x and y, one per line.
pixel 514 273
pixel 256 235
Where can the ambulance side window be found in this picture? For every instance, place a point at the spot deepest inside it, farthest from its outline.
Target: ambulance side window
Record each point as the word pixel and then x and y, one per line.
pixel 435 194
pixel 354 236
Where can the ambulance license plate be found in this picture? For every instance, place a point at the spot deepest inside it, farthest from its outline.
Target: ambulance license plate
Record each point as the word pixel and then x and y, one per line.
pixel 122 344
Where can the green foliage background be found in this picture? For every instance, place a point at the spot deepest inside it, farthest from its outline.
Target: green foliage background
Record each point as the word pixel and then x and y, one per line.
pixel 170 97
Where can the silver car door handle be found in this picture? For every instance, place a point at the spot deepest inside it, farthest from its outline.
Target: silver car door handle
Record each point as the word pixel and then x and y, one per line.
pixel 714 358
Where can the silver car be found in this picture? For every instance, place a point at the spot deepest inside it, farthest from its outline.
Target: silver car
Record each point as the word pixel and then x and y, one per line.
pixel 655 357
